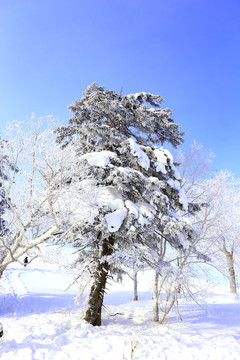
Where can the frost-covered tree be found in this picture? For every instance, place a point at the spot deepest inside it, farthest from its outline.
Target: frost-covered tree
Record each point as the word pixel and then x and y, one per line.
pixel 35 212
pixel 222 222
pixel 5 168
pixel 137 197
pixel 216 225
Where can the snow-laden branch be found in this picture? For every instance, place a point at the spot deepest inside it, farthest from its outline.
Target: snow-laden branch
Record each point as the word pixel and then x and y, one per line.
pixel 38 201
pixel 39 240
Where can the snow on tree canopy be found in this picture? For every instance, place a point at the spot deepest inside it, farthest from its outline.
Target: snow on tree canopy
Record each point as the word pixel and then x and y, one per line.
pixel 115 219
pixel 132 187
pixel 143 159
pixel 111 116
pixel 161 162
pixel 101 158
pixel 133 205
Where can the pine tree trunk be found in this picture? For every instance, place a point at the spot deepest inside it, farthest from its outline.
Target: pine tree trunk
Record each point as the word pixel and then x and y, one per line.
pixel 2 271
pixel 155 298
pixel 135 296
pixel 231 272
pixel 95 302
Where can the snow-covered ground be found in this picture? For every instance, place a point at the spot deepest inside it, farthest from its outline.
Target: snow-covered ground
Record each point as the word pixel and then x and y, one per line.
pixel 42 321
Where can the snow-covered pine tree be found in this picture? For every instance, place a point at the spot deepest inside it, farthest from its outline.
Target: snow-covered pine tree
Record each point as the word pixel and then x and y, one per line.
pixel 136 185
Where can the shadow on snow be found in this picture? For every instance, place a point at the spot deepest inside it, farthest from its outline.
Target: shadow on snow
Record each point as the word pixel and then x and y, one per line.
pixel 35 303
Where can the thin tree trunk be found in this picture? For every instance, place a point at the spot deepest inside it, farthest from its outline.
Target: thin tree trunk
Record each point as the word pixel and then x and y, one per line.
pixel 2 269
pixel 155 298
pixel 167 309
pixel 231 272
pixel 135 296
pixel 96 295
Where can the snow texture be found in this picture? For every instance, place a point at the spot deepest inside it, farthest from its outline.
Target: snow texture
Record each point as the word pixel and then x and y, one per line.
pixel 132 208
pixel 41 321
pixel 183 199
pixel 143 159
pixel 99 158
pixel 115 219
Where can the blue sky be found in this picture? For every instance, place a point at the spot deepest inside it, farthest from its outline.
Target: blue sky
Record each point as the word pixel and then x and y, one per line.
pixel 188 51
